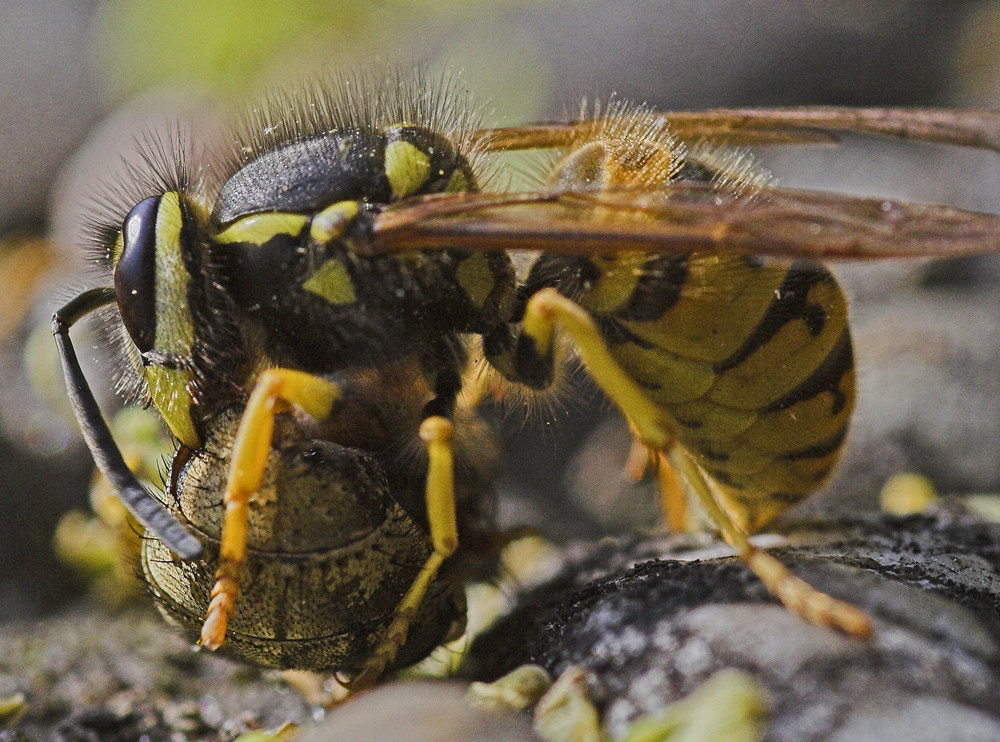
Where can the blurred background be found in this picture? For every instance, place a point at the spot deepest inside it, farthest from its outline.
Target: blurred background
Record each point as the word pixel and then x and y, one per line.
pixel 82 80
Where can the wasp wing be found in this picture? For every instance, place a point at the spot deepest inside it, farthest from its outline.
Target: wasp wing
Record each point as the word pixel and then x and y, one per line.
pixel 687 217
pixel 814 124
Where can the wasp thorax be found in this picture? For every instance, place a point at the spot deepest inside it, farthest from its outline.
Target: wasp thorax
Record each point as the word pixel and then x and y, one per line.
pixel 418 160
pixel 376 166
pixel 604 164
pixel 330 555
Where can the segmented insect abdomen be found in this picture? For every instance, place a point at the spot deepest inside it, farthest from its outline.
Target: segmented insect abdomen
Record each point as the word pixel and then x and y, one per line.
pixel 751 360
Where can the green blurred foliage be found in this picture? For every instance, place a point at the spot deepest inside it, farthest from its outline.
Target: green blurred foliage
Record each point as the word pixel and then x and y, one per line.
pixel 222 45
pixel 731 706
pixel 229 47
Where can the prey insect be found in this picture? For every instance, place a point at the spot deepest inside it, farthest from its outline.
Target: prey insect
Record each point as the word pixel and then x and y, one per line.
pixel 316 293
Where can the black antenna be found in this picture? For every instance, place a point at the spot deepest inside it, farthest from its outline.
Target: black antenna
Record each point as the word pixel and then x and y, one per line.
pixel 146 509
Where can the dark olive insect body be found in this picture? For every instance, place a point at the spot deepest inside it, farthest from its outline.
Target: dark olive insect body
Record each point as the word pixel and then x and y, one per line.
pixel 335 537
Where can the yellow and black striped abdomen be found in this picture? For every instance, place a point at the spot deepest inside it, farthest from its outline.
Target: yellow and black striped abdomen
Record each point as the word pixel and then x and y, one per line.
pixel 750 359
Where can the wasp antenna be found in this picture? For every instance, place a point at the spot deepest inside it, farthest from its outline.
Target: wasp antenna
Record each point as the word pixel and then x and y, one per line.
pixel 149 511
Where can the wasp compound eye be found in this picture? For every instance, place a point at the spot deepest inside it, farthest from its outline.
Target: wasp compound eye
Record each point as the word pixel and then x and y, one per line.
pixel 135 273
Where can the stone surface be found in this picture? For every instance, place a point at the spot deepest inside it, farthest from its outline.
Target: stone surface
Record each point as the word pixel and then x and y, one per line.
pixel 648 620
pixel 420 712
pixel 120 677
pixel 649 630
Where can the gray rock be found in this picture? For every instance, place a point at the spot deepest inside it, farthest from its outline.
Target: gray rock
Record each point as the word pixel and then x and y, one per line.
pixel 650 628
pixel 418 712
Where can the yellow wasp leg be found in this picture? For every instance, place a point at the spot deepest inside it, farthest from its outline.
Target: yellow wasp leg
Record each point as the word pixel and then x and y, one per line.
pixel 547 307
pixel 436 433
pixel 639 461
pixel 274 390
pixel 673 500
pixel 798 596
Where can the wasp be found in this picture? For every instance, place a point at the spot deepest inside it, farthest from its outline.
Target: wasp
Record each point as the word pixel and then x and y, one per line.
pixel 302 309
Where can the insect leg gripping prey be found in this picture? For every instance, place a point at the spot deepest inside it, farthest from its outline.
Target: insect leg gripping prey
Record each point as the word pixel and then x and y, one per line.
pixel 274 391
pixel 436 433
pixel 548 309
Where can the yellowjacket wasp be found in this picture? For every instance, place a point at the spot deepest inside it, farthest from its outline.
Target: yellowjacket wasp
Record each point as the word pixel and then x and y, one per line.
pixel 310 294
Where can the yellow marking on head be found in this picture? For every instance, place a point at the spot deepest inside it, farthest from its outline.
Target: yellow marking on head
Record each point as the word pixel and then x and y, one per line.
pixel 174 324
pixel 257 229
pixel 331 222
pixel 168 389
pixel 332 282
pixel 117 248
pixel 406 167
